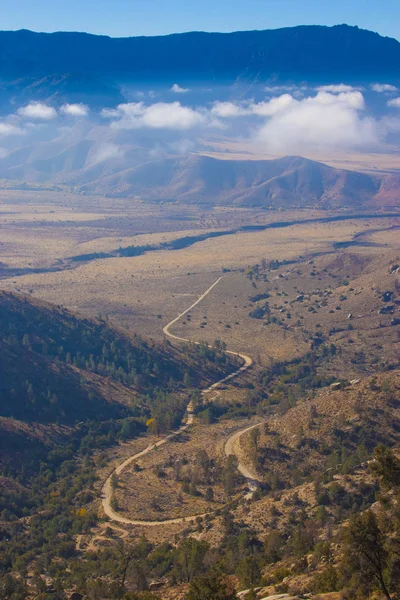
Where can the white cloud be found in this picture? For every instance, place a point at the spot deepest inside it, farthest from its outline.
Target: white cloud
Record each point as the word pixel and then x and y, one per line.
pixel 38 111
pixel 112 113
pixel 177 89
pixel 7 129
pixel 295 90
pixel 383 88
pixel 228 110
pixel 395 103
pixel 75 110
pixel 281 103
pixel 326 120
pixel 162 115
pixel 336 88
pixel 277 89
pixel 354 100
pixel 273 106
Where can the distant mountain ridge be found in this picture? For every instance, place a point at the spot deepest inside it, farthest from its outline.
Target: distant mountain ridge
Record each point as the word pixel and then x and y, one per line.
pixel 197 179
pixel 304 53
pixel 308 51
pixel 291 181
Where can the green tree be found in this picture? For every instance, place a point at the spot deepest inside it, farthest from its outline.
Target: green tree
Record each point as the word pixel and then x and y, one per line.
pixel 193 489
pixel 326 581
pixel 209 494
pixel 189 560
pixel 187 380
pixel 209 587
pixel 130 559
pixel 249 572
pixel 386 466
pixel 229 475
pixel 11 588
pixel 365 553
pixel 140 596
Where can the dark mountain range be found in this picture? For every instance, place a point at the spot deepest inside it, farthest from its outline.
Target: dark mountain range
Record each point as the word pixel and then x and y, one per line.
pixel 306 53
pixel 286 182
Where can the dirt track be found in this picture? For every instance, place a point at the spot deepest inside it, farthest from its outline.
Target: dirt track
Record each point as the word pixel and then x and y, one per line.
pixel 107 488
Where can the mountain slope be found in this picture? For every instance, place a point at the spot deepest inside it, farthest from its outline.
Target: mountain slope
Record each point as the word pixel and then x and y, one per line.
pixel 285 182
pixel 59 368
pixel 56 87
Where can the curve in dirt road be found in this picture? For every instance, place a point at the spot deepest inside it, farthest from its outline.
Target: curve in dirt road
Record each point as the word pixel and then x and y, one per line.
pixel 253 480
pixel 166 330
pixel 107 490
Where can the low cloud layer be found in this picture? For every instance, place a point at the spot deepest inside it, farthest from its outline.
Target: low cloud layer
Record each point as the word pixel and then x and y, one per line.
pixel 27 119
pixel 326 120
pixel 282 120
pixel 334 118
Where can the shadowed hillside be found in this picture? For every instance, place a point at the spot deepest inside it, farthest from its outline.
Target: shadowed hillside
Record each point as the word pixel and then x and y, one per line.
pixel 62 376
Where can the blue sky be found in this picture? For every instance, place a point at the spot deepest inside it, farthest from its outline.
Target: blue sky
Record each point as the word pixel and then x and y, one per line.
pixel 152 17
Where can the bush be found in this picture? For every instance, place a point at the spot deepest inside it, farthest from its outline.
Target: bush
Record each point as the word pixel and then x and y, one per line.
pixel 209 587
pixel 326 581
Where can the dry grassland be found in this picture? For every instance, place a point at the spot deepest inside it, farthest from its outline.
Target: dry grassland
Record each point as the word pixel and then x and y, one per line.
pixel 134 291
pixel 145 495
pixel 342 300
pixel 225 315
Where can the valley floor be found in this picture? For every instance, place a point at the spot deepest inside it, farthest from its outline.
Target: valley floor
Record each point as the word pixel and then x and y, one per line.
pixel 313 309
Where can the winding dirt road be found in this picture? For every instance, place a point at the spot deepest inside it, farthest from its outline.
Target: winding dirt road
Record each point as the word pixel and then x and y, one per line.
pixel 251 477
